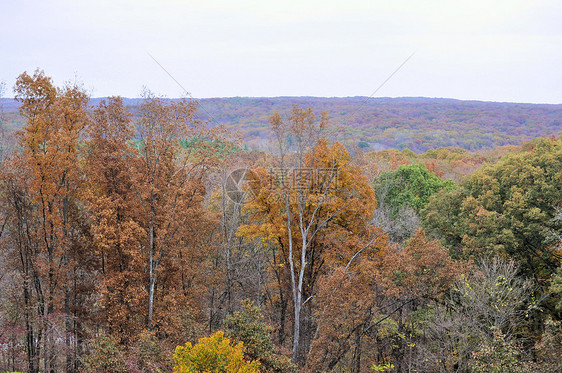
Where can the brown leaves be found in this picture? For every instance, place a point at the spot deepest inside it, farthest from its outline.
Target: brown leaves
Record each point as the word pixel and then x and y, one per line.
pixel 146 193
pixel 422 269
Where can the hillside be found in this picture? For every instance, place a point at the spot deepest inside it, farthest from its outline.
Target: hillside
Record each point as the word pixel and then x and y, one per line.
pixel 378 123
pixel 134 242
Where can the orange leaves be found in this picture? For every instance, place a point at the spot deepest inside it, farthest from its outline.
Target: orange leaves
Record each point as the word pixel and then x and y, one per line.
pixel 44 184
pixel 55 120
pixel 116 233
pixel 145 194
pixel 422 269
pixel 349 298
pixel 337 199
pixel 433 167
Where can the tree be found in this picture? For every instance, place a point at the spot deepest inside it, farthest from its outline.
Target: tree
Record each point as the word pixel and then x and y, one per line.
pixel 150 228
pixel 500 355
pixel 115 229
pixel 173 153
pixel 556 287
pixel 213 354
pixel 506 209
pixel 415 279
pixel 368 312
pixel 42 187
pixel 310 207
pixel 249 327
pixel 345 303
pixel 490 306
pixel 402 194
pixel 409 185
pixel 105 355
pixel 240 266
pixel 549 347
pixel 149 355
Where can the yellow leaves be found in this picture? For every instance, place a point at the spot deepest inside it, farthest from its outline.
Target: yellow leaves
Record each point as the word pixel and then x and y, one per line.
pixel 388 328
pixel 387 366
pixel 214 354
pixel 266 232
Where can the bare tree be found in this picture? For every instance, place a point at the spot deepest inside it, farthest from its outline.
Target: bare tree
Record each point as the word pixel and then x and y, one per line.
pixel 491 298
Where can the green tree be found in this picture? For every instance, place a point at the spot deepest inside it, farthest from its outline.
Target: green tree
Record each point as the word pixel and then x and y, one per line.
pixel 213 355
pixel 409 185
pixel 508 208
pixel 250 328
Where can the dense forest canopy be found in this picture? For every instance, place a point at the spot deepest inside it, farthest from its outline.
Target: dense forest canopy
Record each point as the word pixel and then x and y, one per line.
pixel 419 124
pixel 143 236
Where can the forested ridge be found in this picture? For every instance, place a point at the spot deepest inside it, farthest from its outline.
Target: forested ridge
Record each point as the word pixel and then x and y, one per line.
pixel 147 236
pixel 418 124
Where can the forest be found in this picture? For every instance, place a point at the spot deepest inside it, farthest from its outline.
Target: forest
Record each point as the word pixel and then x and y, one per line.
pixel 372 124
pixel 150 235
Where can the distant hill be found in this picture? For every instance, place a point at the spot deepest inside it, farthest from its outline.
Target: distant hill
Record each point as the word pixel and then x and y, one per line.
pixel 377 123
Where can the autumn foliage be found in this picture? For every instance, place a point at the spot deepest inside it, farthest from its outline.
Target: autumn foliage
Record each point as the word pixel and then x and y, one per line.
pixel 149 240
pixel 213 354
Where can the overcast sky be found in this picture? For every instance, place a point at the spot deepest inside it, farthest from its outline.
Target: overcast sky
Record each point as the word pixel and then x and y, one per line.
pixel 491 50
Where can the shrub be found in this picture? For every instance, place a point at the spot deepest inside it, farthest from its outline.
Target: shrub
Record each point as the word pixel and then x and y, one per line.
pixel 213 354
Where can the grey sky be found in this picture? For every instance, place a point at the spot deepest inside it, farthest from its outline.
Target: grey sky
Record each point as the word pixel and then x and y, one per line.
pixel 479 49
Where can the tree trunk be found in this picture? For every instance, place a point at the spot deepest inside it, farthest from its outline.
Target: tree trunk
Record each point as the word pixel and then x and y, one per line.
pixel 32 351
pixel 282 317
pixel 68 331
pixel 296 336
pixel 151 268
pixel 151 290
pixel 357 353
